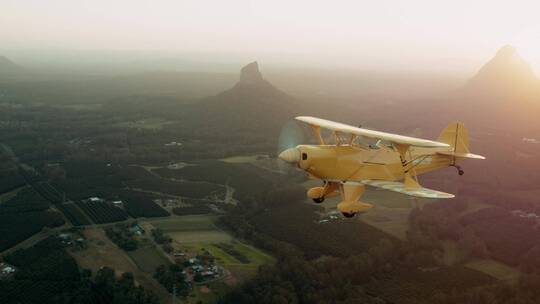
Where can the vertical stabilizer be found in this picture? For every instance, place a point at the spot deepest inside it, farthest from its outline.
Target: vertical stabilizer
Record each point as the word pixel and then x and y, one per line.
pixel 457 136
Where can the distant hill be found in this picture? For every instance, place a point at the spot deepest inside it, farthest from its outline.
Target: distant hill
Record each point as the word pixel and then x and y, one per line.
pixel 252 102
pixel 504 94
pixel 6 65
pixel 506 75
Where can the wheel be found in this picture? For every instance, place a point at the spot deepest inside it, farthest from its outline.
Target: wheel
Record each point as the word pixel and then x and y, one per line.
pixel 319 200
pixel 348 214
pixel 461 172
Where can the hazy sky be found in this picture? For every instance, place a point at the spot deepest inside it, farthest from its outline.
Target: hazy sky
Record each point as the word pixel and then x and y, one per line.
pixel 427 34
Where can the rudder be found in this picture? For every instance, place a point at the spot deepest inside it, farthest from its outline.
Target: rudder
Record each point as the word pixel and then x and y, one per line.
pixel 457 136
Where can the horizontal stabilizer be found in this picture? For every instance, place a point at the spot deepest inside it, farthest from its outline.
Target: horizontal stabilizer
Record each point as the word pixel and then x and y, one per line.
pixel 400 188
pixel 462 155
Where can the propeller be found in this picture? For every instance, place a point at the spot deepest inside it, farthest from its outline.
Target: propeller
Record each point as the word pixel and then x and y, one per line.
pixel 291 135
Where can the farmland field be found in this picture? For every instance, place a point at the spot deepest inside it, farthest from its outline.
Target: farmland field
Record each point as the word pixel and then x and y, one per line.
pixel 148 258
pixel 186 223
pixel 240 159
pixel 139 204
pixel 495 269
pixel 240 269
pixel 195 233
pixel 211 236
pixel 193 229
pixel 73 214
pixel 101 212
pixel 102 252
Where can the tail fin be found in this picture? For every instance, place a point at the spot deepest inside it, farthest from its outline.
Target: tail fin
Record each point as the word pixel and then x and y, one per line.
pixel 457 136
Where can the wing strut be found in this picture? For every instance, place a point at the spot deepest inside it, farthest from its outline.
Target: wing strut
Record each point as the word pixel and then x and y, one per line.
pixel 317 131
pixel 410 180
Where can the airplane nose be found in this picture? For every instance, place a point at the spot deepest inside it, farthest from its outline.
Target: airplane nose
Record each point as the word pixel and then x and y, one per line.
pixel 291 155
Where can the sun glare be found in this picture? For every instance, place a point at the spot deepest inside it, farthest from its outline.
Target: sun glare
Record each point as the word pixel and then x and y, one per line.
pixel 527 44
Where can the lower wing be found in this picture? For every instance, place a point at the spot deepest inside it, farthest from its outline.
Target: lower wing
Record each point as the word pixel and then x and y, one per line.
pixel 400 188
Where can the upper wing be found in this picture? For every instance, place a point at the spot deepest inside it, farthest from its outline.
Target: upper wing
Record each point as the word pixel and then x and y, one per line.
pixel 399 139
pixel 400 188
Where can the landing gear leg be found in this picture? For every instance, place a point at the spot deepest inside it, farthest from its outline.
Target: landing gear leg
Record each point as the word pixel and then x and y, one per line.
pixel 318 194
pixel 460 171
pixel 320 199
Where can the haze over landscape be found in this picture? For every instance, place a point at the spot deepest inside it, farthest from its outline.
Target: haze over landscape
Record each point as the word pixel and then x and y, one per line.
pixel 139 143
pixel 392 35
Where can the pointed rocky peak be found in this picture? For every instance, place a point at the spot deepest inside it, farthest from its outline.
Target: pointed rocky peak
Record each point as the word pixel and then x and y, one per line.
pixel 505 73
pixel 506 52
pixel 252 90
pixel 250 74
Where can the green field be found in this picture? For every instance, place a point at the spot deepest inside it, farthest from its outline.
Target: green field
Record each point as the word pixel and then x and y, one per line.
pixel 202 237
pixel 186 223
pixel 256 257
pixel 148 258
pixel 193 229
pixel 240 159
pixel 240 271
pixel 198 232
pixel 495 269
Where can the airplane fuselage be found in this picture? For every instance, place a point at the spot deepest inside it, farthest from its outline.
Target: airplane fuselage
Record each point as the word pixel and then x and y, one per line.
pixel 382 162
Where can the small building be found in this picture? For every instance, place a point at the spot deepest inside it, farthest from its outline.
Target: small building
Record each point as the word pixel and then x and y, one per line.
pixel 173 143
pixel 517 212
pixel 6 270
pixel 64 236
pixel 197 268
pixel 207 273
pixel 176 166
pixel 137 230
pixel 531 140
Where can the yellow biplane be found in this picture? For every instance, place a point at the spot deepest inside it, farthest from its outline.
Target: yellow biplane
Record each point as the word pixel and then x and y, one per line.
pixel 392 163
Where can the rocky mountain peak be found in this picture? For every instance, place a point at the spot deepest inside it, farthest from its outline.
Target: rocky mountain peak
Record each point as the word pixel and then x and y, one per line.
pixel 505 74
pixel 506 51
pixel 250 74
